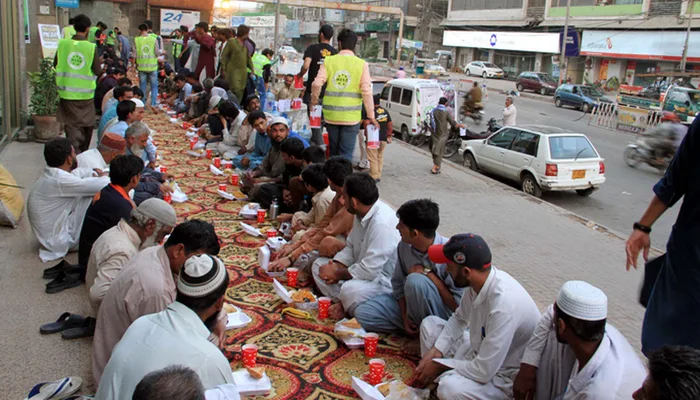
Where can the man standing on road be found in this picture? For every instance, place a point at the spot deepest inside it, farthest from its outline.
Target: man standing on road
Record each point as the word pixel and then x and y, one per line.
pixel 124 48
pixel 442 124
pixel 147 62
pixel 77 67
pixel 509 113
pixel 349 86
pixel 313 59
pixel 673 312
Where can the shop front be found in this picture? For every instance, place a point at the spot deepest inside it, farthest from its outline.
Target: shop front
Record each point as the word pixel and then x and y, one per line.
pixel 514 52
pixel 10 71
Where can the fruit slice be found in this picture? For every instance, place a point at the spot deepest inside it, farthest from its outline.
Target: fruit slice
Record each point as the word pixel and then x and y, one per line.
pixel 352 324
pixel 256 372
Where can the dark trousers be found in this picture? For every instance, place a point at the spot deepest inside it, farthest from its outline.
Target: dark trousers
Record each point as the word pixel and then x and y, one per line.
pixel 342 139
pixel 80 136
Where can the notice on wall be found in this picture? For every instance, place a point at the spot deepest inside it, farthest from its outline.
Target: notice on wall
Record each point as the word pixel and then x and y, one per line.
pixel 49 36
pixel 173 19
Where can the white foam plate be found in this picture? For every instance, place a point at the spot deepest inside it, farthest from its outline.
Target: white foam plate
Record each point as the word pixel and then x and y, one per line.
pixel 195 154
pixel 276 242
pixel 247 213
pixel 225 195
pixel 171 112
pixel 215 170
pixel 173 120
pixel 353 342
pixel 237 320
pixel 281 291
pixel 365 390
pixel 249 386
pixel 250 230
pixel 191 134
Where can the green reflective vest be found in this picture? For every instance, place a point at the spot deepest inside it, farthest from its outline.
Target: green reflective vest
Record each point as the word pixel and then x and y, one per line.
pixel 111 38
pixel 259 62
pixel 343 99
pixel 69 32
pixel 177 50
pixel 74 76
pixel 92 33
pixel 146 59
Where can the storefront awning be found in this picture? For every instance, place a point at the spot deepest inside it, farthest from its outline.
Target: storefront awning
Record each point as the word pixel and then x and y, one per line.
pixel 465 23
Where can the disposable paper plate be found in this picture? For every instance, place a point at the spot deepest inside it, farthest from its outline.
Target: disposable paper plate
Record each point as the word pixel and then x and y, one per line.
pixel 250 230
pixel 237 320
pixel 195 153
pixel 365 390
pixel 191 134
pixel 178 195
pixel 264 261
pixel 215 170
pixel 249 386
pixel 225 195
pixel 287 297
pixel 355 342
pixel 171 112
pixel 199 145
pixel 276 243
pixel 173 120
pixel 247 213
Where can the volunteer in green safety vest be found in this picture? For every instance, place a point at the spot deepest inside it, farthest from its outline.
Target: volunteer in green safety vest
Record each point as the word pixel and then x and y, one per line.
pixel 111 38
pixel 348 87
pixel 147 62
pixel 262 66
pixel 77 67
pixel 68 30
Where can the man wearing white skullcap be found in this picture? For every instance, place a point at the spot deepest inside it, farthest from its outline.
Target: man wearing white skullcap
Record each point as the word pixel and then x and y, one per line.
pixel 175 336
pixel 575 354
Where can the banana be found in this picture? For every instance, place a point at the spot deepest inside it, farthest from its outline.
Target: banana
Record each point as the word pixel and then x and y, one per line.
pixel 296 313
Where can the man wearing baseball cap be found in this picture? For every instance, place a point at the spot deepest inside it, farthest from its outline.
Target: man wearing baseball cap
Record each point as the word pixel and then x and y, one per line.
pixel 573 353
pixel 484 340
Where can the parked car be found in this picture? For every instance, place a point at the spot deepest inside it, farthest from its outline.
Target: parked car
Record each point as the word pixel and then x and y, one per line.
pixel 484 69
pixel 537 81
pixel 582 97
pixel 540 158
pixel 409 102
pixel 435 69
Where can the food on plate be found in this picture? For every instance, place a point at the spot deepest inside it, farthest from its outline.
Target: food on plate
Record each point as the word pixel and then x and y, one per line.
pixel 385 387
pixel 230 308
pixel 253 206
pixel 303 296
pixel 347 335
pixel 352 324
pixel 297 313
pixel 256 372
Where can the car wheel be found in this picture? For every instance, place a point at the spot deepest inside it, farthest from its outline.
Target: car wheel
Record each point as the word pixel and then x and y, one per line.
pixel 469 161
pixel 584 192
pixel 529 185
pixel 557 102
pixel 468 72
pixel 585 107
pixel 543 91
pixel 404 133
pixel 483 75
pixel 519 86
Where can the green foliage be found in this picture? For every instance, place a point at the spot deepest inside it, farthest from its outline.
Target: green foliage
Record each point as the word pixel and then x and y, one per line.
pixel 272 8
pixel 44 99
pixel 370 49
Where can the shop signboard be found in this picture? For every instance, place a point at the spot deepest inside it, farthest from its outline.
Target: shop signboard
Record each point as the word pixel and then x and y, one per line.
pixel 534 42
pixel 291 30
pixel 173 19
pixel 641 45
pixel 237 21
pixel 68 3
pixel 309 27
pixel 573 41
pixel 410 44
pixel 49 36
pixel 260 21
pixel 632 119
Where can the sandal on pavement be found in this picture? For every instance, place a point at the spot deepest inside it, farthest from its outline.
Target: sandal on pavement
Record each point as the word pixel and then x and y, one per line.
pixel 87 329
pixel 64 280
pixel 65 321
pixel 57 390
pixel 435 171
pixel 51 273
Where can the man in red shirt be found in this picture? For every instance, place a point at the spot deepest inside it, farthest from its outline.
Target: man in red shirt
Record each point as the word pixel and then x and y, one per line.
pixel 207 50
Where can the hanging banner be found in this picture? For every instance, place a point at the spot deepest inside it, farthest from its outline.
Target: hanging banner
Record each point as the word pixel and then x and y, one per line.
pixel 573 42
pixel 260 21
pixel 68 3
pixel 173 19
pixel 49 36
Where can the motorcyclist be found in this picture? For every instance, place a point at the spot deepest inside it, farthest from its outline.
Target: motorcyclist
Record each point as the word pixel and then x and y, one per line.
pixel 665 137
pixel 472 100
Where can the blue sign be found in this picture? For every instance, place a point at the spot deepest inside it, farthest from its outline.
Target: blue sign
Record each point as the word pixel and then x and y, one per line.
pixel 68 3
pixel 573 42
pixel 237 21
pixel 493 40
pixel 292 29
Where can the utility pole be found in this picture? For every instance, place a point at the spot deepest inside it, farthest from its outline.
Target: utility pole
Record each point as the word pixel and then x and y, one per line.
pixel 277 26
pixel 562 56
pixel 689 12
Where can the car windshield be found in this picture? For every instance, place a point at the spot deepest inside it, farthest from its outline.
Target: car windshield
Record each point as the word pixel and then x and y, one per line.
pixel 571 147
pixel 590 92
pixel 547 78
pixel 489 65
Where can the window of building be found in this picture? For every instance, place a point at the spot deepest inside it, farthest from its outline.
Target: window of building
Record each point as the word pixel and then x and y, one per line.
pixel 458 5
pixel 575 3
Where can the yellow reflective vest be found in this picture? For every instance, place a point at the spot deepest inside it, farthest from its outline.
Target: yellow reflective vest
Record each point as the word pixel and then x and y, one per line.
pixel 343 99
pixel 74 76
pixel 146 58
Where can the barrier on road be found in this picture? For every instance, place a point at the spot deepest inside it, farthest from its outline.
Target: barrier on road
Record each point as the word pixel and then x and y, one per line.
pixel 617 117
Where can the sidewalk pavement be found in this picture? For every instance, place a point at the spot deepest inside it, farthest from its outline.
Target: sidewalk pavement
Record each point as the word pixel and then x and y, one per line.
pixel 541 245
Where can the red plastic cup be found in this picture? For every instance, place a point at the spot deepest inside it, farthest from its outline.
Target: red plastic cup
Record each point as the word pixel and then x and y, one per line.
pixel 250 355
pixel 234 179
pixel 292 275
pixel 222 187
pixel 217 162
pixel 163 169
pixel 208 153
pixel 272 232
pixel 261 216
pixel 371 343
pixel 168 198
pixel 298 82
pixel 327 142
pixel 193 142
pixel 324 303
pixel 376 371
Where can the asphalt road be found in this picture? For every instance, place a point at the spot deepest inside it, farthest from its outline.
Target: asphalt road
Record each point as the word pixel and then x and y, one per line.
pixel 626 193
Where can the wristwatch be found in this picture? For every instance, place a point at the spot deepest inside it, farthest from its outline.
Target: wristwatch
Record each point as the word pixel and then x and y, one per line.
pixel 639 227
pixel 426 271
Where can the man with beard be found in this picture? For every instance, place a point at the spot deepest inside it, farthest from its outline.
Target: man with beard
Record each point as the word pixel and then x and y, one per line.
pixel 176 335
pixel 128 113
pixel 138 142
pixel 363 268
pixel 575 354
pixel 57 203
pixel 147 285
pixel 486 336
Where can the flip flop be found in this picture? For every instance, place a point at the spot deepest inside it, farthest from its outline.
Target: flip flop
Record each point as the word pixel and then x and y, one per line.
pixel 65 321
pixel 57 390
pixel 87 329
pixel 51 273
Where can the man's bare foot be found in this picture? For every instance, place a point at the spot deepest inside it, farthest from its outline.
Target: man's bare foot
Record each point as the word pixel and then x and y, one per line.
pixel 336 311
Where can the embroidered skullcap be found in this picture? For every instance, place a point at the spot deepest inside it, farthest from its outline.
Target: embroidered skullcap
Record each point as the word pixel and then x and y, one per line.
pixel 583 301
pixel 201 275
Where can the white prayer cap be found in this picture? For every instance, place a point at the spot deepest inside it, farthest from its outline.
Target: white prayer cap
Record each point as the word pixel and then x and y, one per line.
pixel 159 210
pixel 201 276
pixel 213 102
pixel 139 103
pixel 583 301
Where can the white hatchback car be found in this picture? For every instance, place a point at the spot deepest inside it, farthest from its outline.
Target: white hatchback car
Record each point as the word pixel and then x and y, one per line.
pixel 483 69
pixel 541 158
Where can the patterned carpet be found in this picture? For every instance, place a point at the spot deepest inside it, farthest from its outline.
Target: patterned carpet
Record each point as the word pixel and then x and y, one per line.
pixel 303 358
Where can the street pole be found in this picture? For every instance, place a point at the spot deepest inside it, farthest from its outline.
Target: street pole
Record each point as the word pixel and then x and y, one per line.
pixel 277 25
pixel 689 12
pixel 562 56
pixel 391 37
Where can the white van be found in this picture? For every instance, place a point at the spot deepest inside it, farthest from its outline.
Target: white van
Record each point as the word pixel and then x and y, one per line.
pixel 409 102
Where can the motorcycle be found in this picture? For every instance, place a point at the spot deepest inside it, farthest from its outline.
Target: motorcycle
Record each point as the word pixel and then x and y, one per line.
pixel 476 113
pixel 641 152
pixel 493 125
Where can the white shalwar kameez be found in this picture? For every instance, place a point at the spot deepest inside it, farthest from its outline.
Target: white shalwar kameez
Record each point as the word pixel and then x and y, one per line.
pixel 486 337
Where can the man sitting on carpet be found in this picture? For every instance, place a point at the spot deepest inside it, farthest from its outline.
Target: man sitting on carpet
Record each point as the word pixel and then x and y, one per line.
pixel 127 115
pixel 175 382
pixel 152 182
pixel 485 338
pixel 363 269
pixel 290 150
pixel 177 101
pixel 316 183
pixel 108 206
pixel 147 285
pixel 674 373
pixel 109 100
pixel 121 93
pixel 328 237
pixel 110 146
pixel 251 157
pixel 177 335
pixel 421 287
pixel 57 203
pixel 575 354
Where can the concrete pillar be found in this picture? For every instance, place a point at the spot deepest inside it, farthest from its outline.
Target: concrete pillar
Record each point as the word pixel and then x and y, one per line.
pixel 538 62
pixel 492 55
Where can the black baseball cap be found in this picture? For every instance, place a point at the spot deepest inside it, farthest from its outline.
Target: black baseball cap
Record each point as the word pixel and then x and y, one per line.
pixel 465 249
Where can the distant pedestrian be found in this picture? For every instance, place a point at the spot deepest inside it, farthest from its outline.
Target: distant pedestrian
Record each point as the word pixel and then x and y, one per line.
pixel 375 155
pixel 69 30
pixel 147 62
pixel 235 60
pixel 442 122
pixel 509 113
pixel 400 74
pixel 124 48
pixel 207 50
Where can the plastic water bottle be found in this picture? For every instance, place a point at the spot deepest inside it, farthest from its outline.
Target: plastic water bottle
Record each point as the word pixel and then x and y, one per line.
pixel 274 111
pixel 270 101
